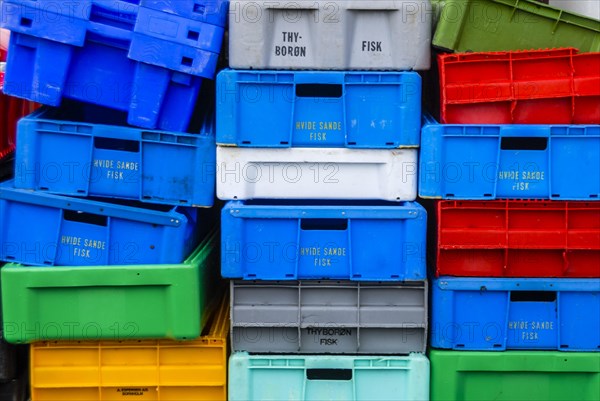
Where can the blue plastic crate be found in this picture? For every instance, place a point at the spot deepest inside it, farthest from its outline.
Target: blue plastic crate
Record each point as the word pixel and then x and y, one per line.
pixel 283 240
pixel 41 229
pixel 133 58
pixel 152 25
pixel 496 314
pixel 328 377
pixel 58 153
pixel 318 109
pixel 509 161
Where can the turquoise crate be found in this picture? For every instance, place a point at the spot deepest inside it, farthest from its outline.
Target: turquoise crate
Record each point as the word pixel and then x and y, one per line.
pixel 331 378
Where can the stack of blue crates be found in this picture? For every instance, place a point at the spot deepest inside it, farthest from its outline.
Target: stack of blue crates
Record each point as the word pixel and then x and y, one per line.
pixel 321 237
pixel 118 173
pixel 71 160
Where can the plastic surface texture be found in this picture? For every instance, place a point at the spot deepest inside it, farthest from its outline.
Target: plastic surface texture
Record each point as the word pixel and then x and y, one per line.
pixel 42 229
pixel 509 161
pixel 518 239
pixel 336 378
pixel 316 173
pixel 320 240
pixel 514 376
pixel 60 152
pixel 332 317
pixel 499 314
pixel 318 109
pixel 113 302
pixel 164 370
pixel 528 87
pixel 324 35
pixel 496 25
pixel 147 59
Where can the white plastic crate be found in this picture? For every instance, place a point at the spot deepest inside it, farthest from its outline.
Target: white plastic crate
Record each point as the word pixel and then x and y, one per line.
pixel 589 8
pixel 330 35
pixel 316 173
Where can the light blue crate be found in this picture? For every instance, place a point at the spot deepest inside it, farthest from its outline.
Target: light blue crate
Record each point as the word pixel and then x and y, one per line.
pixel 331 378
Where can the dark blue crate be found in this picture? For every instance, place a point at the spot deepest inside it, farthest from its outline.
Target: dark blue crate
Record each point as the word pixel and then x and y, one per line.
pixel 283 240
pixel 496 314
pixel 138 59
pixel 509 161
pixel 58 153
pixel 41 229
pixel 318 109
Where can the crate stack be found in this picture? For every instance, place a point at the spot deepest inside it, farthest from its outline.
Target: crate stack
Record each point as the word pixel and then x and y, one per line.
pixel 13 359
pixel 112 272
pixel 318 125
pixel 513 169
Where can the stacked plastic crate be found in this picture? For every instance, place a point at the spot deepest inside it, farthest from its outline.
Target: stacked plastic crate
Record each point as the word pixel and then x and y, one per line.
pixel 515 160
pixel 106 225
pixel 317 156
pixel 13 359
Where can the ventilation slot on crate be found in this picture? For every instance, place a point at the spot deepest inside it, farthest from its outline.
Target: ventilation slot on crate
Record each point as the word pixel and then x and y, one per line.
pixel 524 143
pixel 319 90
pixel 329 374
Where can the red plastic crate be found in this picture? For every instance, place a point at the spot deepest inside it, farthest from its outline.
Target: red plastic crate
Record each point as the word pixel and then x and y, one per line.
pixel 522 87
pixel 513 238
pixel 11 110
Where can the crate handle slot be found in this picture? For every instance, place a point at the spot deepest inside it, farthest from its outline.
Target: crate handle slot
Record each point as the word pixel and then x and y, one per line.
pixel 524 143
pixel 324 224
pixel 329 374
pixel 122 145
pixel 87 218
pixel 199 8
pixel 533 296
pixel 26 22
pixel 319 90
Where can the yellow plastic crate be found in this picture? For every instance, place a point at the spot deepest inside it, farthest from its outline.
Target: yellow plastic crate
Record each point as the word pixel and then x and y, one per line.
pixel 134 370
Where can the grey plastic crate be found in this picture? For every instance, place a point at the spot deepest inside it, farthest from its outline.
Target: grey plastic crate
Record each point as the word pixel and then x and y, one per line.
pixel 335 317
pixel 330 34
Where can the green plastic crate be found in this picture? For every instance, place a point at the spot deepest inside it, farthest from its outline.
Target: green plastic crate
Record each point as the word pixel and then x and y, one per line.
pixel 496 25
pixel 514 376
pixel 109 302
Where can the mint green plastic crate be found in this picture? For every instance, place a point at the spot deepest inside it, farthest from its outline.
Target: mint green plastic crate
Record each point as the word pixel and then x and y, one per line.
pixel 495 25
pixel 328 378
pixel 109 302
